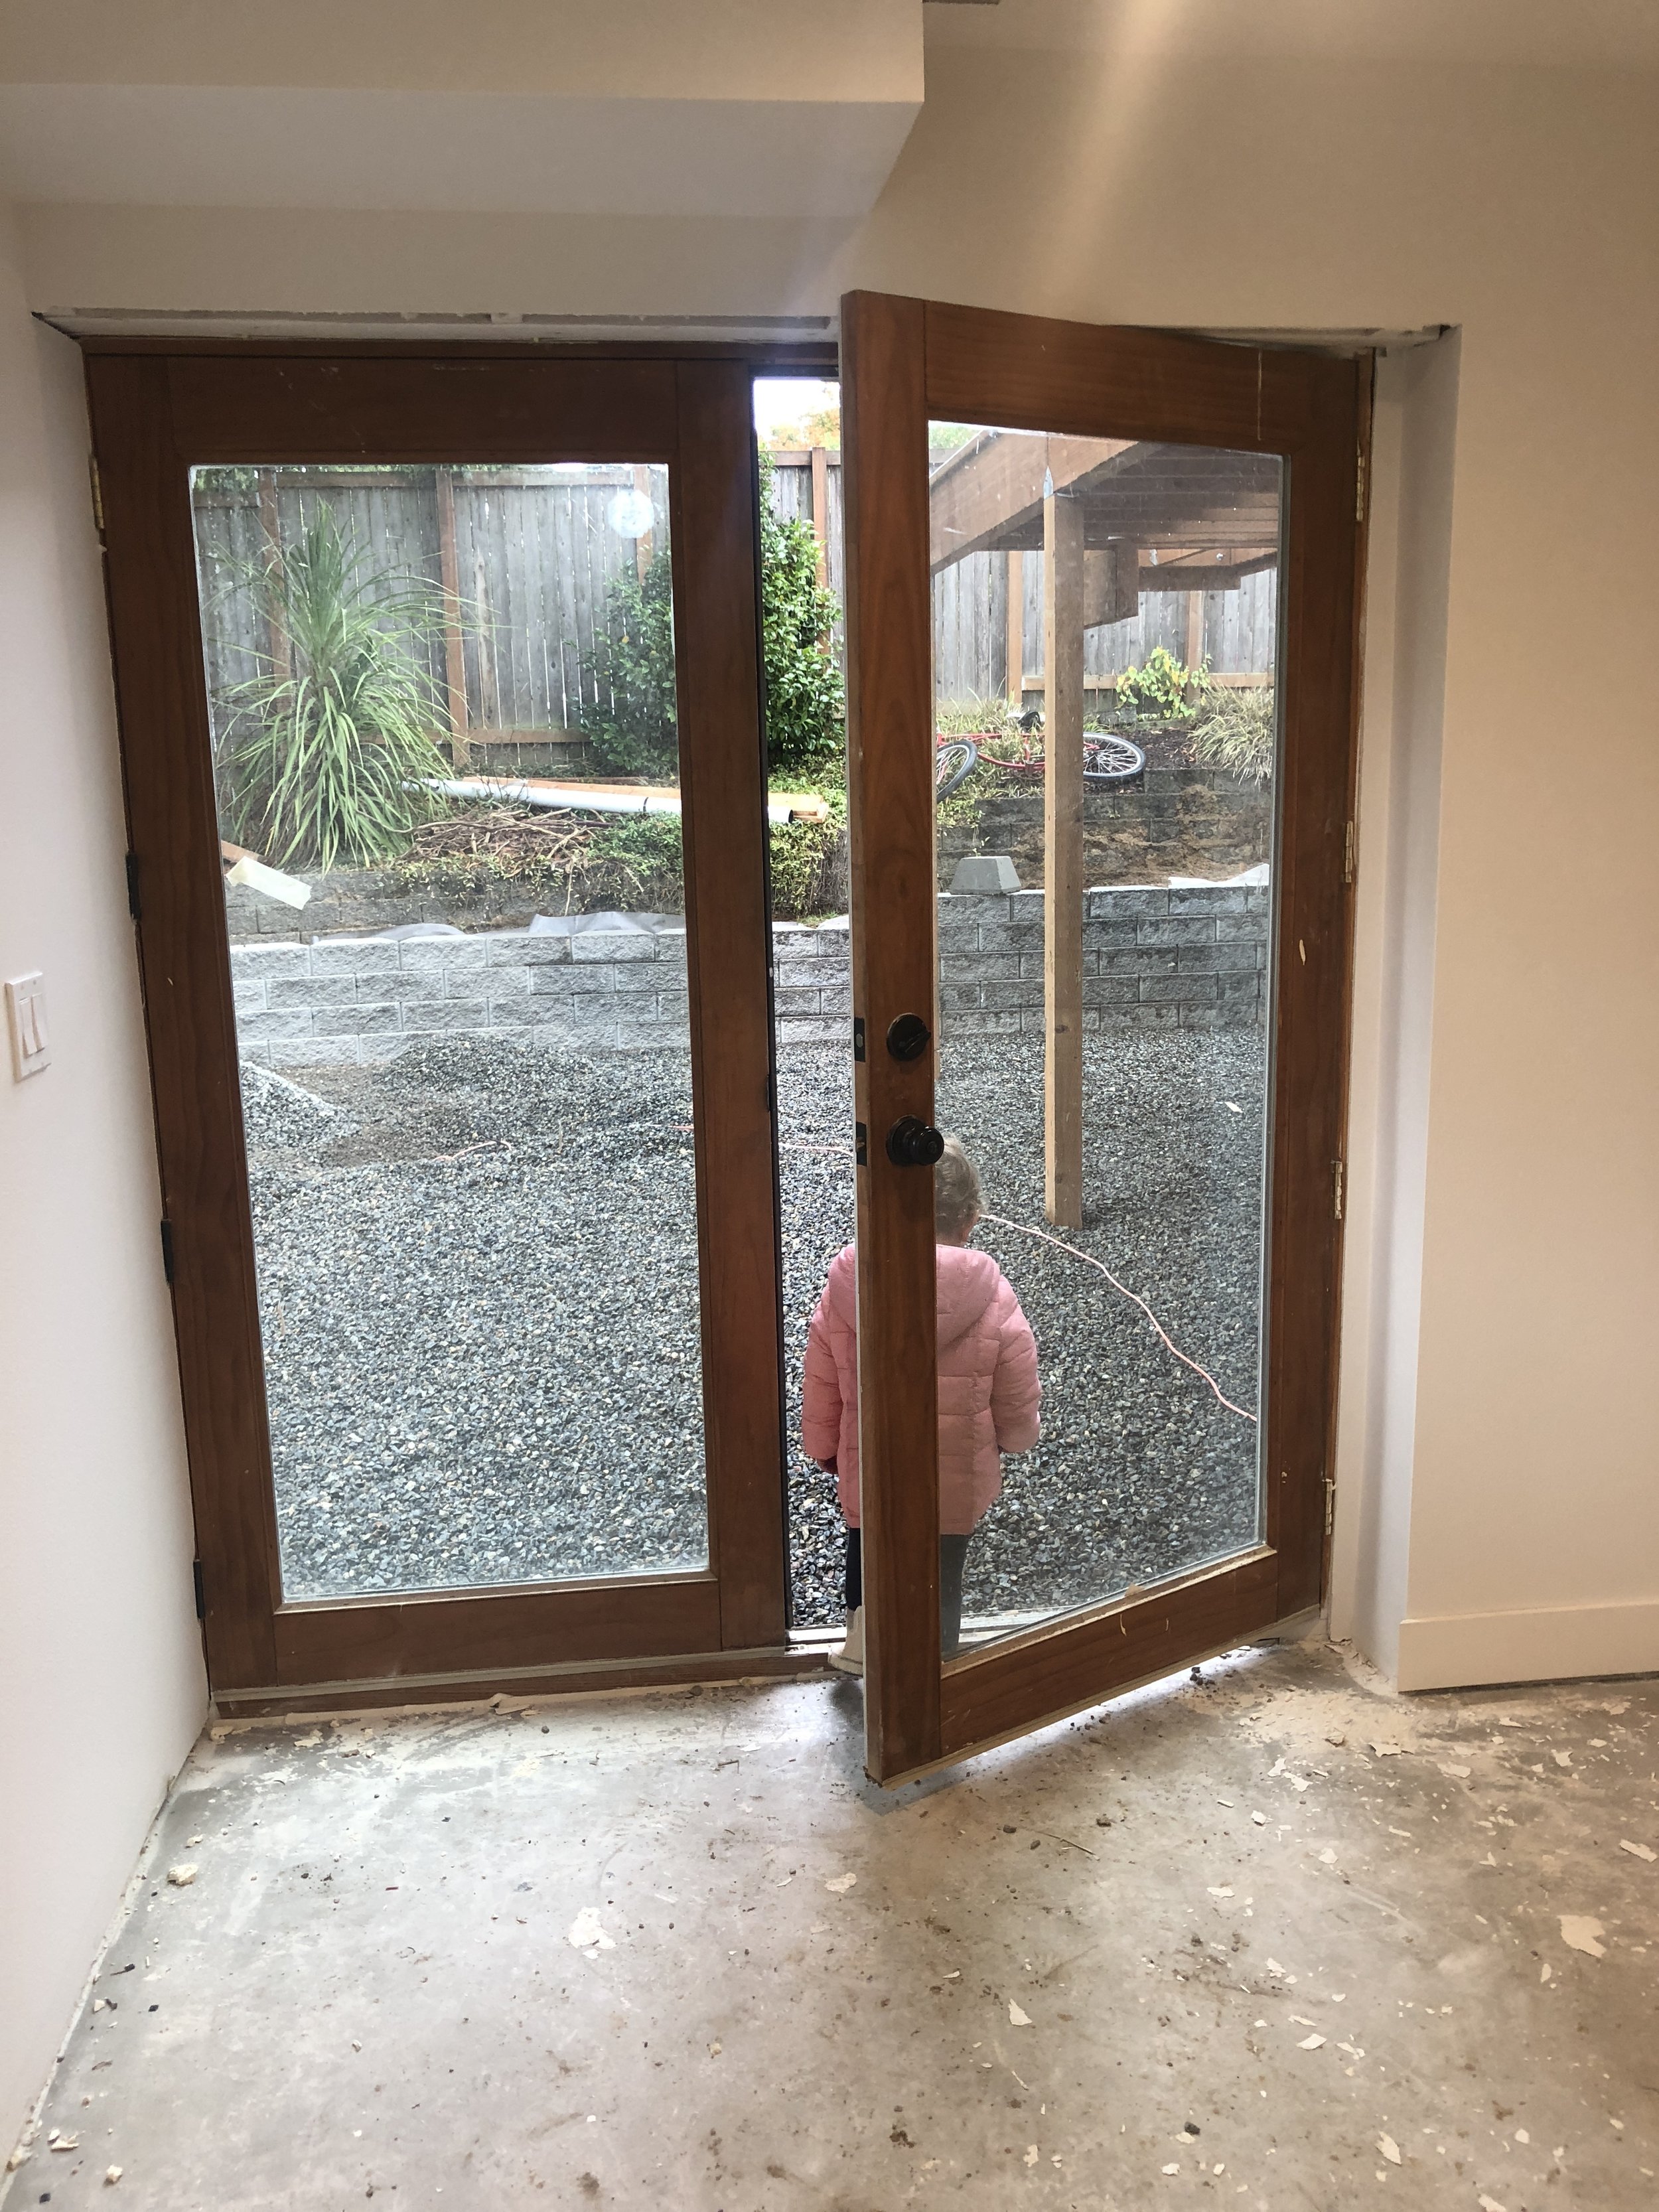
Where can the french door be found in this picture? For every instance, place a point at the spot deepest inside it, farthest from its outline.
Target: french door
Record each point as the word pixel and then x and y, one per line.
pixel 1142 1062
pixel 472 1231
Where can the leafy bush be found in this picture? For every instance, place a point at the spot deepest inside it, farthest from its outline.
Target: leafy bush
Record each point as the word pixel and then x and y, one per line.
pixel 632 723
pixel 1159 691
pixel 324 754
pixel 806 696
pixel 1236 730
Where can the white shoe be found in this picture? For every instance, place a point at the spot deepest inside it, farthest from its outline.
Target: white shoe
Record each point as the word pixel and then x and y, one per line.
pixel 849 1660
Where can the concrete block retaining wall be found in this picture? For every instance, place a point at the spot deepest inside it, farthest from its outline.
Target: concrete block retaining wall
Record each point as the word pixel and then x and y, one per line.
pixel 1152 958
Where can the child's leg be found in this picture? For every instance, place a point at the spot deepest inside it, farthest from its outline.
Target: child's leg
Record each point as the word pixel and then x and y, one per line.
pixel 952 1557
pixel 854 1570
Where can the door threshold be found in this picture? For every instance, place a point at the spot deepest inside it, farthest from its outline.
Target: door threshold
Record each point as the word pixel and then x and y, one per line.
pixel 577 1678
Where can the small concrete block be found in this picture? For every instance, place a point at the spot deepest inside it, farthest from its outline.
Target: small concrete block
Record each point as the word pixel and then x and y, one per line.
pixel 1201 959
pixel 1195 990
pixel 249 963
pixel 542 1007
pixel 958 935
pixel 635 977
pixel 988 1021
pixel 836 996
pixel 534 951
pixel 1027 907
pixel 558 982
pixel 1191 929
pixel 1144 960
pixel 800 974
pixel 505 982
pixel 429 1015
pixel 805 1029
pixel 977 874
pixel 1111 990
pixel 247 998
pixel 1219 898
pixel 791 999
pixel 1242 928
pixel 312 991
pixel 976 909
pixel 258 1055
pixel 377 957
pixel 596 945
pixel 423 956
pixel 317 1052
pixel 275 1022
pixel 674 1016
pixel 516 1014
pixel 1258 899
pixel 354 1021
pixel 1103 934
pixel 1127 901
pixel 1246 988
pixel 1141 1016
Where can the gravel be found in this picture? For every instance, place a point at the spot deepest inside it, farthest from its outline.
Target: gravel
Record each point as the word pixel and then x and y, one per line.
pixel 477 1281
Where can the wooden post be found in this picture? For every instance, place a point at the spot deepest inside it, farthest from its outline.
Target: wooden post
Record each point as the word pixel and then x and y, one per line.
pixel 1062 860
pixel 1016 684
pixel 820 460
pixel 460 752
pixel 1194 652
pixel 281 652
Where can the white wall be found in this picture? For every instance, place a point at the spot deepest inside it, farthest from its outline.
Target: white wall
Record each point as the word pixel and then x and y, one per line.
pixel 101 1689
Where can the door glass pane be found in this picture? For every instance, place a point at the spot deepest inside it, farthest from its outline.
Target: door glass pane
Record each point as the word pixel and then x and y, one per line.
pixel 1105 644
pixel 446 754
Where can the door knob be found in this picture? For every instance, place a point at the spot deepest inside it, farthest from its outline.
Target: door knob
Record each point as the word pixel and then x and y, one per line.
pixel 912 1143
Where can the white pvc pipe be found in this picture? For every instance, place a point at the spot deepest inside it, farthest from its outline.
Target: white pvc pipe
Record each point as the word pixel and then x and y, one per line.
pixel 580 798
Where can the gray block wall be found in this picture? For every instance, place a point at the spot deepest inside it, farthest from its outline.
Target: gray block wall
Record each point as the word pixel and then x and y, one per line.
pixel 1152 958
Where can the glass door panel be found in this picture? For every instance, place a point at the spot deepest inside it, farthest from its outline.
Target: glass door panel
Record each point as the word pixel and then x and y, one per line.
pixel 1101 603
pixel 1105 656
pixel 446 759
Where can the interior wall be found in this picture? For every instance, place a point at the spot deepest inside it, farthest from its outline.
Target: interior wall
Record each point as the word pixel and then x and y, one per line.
pixel 1413 468
pixel 101 1688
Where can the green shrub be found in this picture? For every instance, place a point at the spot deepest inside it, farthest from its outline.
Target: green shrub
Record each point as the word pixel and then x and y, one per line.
pixel 1237 730
pixel 632 723
pixel 326 753
pixel 1159 691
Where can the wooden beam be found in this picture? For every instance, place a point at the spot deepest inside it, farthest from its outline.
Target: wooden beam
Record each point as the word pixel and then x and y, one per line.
pixel 1194 647
pixel 820 463
pixel 1062 860
pixel 454 655
pixel 1016 631
pixel 1111 585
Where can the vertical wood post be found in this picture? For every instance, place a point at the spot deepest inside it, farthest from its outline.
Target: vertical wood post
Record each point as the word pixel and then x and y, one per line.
pixel 1194 652
pixel 282 654
pixel 1062 860
pixel 455 657
pixel 820 460
pixel 1016 684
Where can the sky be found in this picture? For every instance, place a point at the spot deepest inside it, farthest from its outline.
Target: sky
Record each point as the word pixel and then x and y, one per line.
pixel 787 399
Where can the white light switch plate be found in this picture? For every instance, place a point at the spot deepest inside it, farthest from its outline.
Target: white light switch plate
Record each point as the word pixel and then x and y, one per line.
pixel 25 1018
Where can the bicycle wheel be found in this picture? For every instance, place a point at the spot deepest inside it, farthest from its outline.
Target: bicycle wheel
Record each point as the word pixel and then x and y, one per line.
pixel 1110 759
pixel 954 762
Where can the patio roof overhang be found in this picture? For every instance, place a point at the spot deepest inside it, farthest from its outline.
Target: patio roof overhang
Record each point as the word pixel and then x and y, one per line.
pixel 1198 519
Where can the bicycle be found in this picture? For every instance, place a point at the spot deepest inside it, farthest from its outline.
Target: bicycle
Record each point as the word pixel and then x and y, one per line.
pixel 1107 757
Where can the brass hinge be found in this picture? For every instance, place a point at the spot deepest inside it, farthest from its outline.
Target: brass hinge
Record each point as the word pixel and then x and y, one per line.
pixel 1330 1504
pixel 1347 852
pixel 97 497
pixel 1359 485
pixel 1336 1180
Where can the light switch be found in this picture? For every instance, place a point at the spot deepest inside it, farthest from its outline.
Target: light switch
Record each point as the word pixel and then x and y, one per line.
pixel 25 1018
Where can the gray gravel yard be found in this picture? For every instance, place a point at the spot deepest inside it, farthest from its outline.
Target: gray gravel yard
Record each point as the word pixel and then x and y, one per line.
pixel 479 1285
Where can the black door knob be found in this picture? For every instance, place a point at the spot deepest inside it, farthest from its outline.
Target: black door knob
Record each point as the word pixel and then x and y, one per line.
pixel 912 1143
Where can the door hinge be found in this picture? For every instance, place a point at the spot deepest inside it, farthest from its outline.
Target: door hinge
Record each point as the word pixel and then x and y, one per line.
pixel 1336 1191
pixel 97 495
pixel 1360 486
pixel 167 1248
pixel 1330 1504
pixel 858 1036
pixel 1348 852
pixel 132 886
pixel 201 1590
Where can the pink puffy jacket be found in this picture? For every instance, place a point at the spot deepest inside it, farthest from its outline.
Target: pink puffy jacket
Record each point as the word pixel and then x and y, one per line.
pixel 988 1392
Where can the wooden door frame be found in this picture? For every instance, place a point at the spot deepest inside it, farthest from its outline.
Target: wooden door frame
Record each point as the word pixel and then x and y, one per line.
pixel 158 408
pixel 904 361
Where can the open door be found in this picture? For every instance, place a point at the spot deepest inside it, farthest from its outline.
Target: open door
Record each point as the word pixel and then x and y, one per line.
pixel 1141 1055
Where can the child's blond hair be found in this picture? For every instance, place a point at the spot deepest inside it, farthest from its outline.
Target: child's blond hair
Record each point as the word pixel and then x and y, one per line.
pixel 958 1204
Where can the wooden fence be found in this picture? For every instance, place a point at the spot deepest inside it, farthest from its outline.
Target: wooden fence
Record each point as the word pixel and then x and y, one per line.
pixel 531 557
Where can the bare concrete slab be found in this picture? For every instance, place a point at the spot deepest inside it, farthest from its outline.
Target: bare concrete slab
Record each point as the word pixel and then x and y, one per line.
pixel 1276 1939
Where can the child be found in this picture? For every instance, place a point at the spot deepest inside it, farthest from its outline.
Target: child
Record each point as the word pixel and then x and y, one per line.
pixel 988 1394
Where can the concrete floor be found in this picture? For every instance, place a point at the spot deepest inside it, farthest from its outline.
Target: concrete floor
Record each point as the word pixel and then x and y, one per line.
pixel 1279 1939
